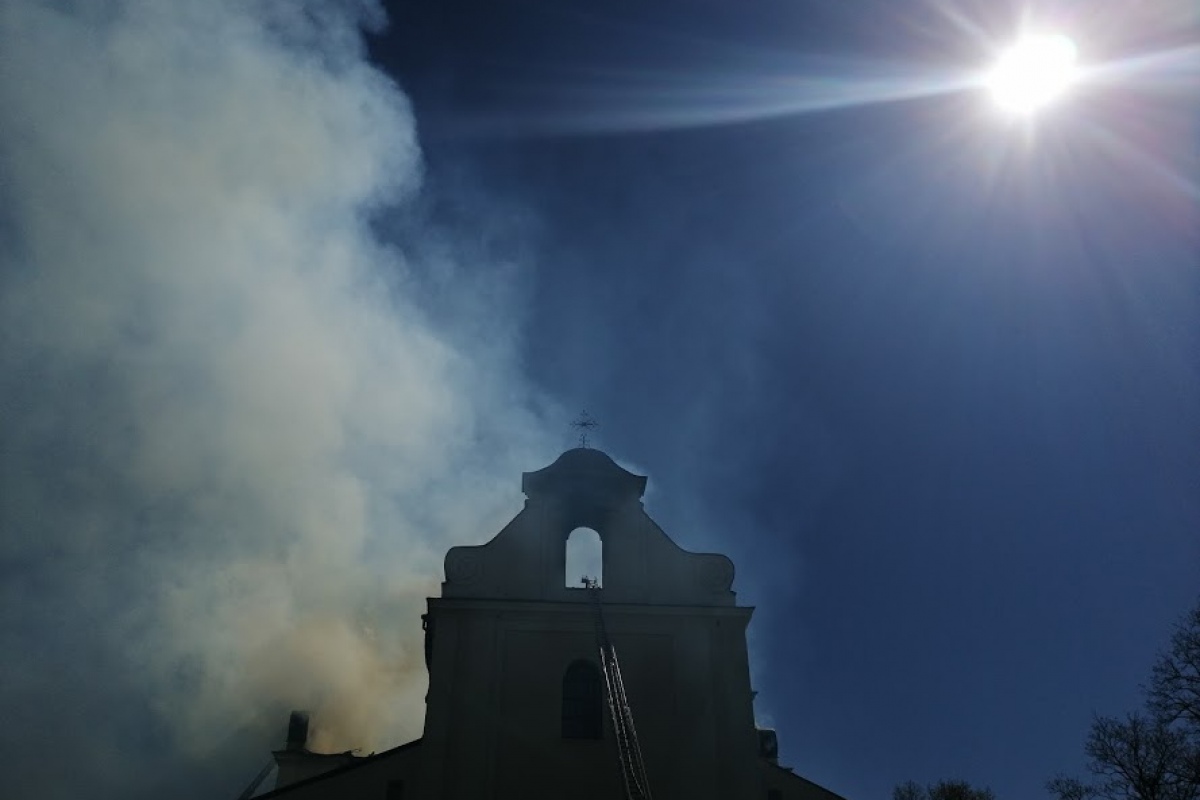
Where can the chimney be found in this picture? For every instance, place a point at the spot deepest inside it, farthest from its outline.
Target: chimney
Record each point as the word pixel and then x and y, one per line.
pixel 297 736
pixel 296 762
pixel 768 745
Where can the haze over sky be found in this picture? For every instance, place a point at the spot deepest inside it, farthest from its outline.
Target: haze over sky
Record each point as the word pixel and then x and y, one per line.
pixel 285 311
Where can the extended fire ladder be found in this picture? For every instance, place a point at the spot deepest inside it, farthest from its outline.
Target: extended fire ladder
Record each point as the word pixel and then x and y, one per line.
pixel 629 752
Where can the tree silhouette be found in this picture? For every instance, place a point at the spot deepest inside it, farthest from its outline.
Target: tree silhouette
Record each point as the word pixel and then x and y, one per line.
pixel 942 790
pixel 1151 755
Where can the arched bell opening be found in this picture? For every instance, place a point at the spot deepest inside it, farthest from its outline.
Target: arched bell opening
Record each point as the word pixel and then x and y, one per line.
pixel 584 558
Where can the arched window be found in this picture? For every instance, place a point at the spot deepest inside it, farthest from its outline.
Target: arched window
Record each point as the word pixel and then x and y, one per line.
pixel 582 702
pixel 585 558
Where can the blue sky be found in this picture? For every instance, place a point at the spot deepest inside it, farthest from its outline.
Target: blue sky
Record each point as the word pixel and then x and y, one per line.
pixel 285 311
pixel 929 376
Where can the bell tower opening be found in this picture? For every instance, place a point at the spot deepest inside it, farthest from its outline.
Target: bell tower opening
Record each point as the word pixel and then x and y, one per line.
pixel 585 558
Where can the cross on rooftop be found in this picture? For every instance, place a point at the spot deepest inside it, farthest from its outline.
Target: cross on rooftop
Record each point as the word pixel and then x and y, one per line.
pixel 584 423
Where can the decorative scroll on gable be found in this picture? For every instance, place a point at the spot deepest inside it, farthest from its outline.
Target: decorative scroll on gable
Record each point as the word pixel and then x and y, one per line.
pixel 586 488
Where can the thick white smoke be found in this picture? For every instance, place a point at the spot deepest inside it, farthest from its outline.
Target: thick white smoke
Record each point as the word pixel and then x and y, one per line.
pixel 234 449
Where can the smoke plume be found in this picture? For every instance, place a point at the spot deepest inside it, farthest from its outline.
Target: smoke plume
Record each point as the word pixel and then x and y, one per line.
pixel 234 444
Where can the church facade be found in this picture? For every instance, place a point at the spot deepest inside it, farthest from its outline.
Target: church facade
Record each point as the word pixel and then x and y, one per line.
pixel 519 690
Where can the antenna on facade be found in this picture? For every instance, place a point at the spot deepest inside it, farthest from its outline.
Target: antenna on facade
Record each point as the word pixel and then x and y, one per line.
pixel 584 423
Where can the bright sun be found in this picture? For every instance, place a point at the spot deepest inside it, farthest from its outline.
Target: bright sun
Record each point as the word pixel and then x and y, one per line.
pixel 1032 72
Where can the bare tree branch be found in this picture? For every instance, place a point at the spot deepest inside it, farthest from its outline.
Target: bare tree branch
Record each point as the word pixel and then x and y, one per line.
pixel 1154 755
pixel 942 790
pixel 1175 682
